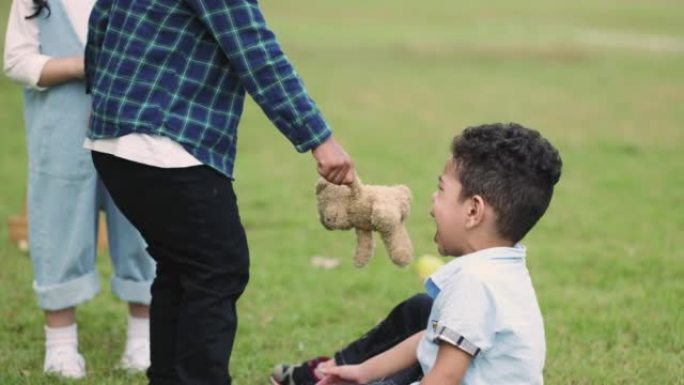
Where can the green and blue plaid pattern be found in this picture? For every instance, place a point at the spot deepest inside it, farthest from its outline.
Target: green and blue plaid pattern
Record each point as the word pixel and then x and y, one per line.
pixel 180 69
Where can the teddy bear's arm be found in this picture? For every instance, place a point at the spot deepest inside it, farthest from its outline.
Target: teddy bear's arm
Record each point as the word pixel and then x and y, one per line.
pixel 388 221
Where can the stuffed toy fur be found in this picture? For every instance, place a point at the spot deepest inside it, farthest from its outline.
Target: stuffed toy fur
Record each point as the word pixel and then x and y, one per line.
pixel 368 208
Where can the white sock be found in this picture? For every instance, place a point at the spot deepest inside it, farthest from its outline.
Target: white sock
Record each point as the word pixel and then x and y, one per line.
pixel 60 337
pixel 136 355
pixel 61 352
pixel 138 328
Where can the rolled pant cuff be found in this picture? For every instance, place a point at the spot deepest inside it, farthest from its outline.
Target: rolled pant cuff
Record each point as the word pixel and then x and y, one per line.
pixel 132 291
pixel 67 294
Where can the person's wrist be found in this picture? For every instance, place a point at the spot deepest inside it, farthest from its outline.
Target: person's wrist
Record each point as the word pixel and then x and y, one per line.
pixel 365 373
pixel 77 67
pixel 322 145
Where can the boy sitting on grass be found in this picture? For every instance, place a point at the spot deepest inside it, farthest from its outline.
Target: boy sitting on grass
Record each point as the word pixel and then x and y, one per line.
pixel 485 326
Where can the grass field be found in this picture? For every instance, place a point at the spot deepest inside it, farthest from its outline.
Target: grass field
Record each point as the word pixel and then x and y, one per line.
pixel 604 80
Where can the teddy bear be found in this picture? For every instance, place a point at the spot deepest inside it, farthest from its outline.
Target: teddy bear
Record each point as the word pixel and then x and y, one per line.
pixel 368 208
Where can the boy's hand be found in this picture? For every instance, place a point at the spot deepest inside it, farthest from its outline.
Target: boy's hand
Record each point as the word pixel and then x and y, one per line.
pixel 333 163
pixel 342 375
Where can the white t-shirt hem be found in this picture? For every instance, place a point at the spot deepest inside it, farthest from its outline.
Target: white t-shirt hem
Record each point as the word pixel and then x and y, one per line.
pixel 151 150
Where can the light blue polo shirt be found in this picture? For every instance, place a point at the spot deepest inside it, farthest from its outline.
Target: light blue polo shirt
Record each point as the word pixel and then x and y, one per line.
pixel 484 304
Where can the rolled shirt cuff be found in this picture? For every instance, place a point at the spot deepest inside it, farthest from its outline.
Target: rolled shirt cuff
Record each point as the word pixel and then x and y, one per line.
pixel 456 339
pixel 316 131
pixel 28 71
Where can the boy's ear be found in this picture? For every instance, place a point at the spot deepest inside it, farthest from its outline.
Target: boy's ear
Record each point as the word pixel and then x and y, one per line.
pixel 476 211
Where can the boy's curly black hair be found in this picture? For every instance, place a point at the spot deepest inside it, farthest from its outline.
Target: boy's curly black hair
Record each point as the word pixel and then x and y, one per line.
pixel 38 7
pixel 513 168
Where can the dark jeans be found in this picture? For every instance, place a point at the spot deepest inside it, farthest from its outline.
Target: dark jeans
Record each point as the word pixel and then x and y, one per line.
pixel 189 219
pixel 406 319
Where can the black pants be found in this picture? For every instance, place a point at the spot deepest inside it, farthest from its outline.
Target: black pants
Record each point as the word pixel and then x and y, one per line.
pixel 189 219
pixel 406 319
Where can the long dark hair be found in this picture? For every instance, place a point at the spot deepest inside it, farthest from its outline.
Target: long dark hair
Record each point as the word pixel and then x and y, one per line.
pixel 38 6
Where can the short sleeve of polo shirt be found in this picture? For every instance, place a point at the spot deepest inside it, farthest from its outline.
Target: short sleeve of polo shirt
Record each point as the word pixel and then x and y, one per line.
pixel 466 317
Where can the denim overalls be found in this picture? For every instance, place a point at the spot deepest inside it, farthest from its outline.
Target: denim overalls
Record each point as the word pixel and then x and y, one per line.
pixel 65 193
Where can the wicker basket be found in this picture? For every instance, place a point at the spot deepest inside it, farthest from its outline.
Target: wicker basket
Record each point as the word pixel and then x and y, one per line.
pixel 17 228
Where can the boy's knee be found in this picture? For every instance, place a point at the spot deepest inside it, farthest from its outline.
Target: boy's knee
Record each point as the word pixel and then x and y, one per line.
pixel 420 303
pixel 417 309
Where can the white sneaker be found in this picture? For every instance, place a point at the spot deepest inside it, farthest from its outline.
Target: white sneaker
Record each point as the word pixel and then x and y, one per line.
pixel 64 361
pixel 136 357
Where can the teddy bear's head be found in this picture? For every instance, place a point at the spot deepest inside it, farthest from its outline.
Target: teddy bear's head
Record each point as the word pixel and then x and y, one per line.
pixel 333 203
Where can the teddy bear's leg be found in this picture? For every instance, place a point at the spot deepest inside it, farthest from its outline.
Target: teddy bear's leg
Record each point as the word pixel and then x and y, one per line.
pixel 387 221
pixel 398 245
pixel 364 247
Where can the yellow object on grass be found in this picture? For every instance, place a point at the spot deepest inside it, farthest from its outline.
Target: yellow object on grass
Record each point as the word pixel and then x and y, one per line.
pixel 427 264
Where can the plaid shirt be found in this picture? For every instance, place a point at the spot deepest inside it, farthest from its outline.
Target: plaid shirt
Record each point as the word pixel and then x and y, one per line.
pixel 180 68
